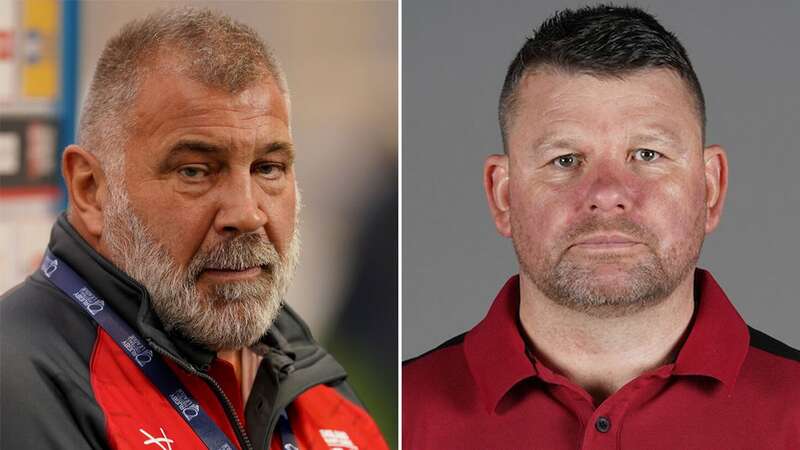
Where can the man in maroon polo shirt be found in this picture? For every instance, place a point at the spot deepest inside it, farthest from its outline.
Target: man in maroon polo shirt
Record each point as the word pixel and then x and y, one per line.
pixel 610 337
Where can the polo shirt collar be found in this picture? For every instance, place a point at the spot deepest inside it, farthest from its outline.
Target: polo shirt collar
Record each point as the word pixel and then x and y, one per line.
pixel 496 355
pixel 719 339
pixel 495 349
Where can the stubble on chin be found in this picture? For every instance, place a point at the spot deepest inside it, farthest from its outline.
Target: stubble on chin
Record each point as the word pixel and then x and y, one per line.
pixel 608 285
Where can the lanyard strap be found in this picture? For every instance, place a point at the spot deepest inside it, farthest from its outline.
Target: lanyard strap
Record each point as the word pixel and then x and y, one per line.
pixel 63 277
pixel 75 287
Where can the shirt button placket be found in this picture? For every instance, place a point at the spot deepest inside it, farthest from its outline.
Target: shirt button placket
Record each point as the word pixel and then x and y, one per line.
pixel 602 424
pixel 599 433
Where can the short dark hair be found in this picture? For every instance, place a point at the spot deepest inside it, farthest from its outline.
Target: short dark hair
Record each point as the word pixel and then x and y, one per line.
pixel 602 40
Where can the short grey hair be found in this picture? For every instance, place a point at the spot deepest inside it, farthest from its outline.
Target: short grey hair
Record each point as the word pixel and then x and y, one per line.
pixel 207 47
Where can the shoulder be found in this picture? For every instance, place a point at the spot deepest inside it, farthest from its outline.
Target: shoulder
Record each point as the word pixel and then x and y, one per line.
pixel 438 388
pixel 37 319
pixel 45 349
pixel 441 357
pixel 772 363
pixel 43 335
pixel 437 378
pixel 775 348
pixel 326 404
pixel 770 374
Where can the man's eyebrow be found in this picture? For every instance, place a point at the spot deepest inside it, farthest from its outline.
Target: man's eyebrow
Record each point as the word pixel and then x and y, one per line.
pixel 279 146
pixel 195 146
pixel 656 134
pixel 551 141
pixel 567 142
pixel 208 147
pixel 189 146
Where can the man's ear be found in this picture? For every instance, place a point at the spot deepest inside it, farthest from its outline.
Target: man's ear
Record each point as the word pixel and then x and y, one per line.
pixel 495 183
pixel 86 187
pixel 716 174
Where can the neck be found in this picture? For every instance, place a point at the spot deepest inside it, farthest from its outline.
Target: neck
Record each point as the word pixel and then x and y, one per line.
pixel 602 354
pixel 234 357
pixel 93 240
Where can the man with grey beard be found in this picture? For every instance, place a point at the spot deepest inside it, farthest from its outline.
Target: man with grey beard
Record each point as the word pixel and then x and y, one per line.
pixel 249 305
pixel 609 337
pixel 157 317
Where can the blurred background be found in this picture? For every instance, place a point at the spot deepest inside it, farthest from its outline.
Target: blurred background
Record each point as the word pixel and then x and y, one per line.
pixel 340 58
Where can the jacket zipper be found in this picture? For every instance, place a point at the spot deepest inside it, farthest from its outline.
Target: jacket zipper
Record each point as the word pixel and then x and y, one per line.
pixel 230 411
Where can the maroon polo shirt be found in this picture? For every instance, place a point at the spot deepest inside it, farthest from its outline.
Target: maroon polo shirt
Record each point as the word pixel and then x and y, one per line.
pixel 730 387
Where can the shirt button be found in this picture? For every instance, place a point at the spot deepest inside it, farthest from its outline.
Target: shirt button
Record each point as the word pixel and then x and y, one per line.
pixel 603 424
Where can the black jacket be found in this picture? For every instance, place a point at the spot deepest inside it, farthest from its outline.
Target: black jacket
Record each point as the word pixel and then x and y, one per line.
pixel 47 341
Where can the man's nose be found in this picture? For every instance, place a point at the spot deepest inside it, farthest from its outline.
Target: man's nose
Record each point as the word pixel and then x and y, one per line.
pixel 609 189
pixel 241 209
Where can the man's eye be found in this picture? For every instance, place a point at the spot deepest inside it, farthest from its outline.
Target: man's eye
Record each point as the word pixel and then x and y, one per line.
pixel 270 170
pixel 643 154
pixel 567 161
pixel 194 172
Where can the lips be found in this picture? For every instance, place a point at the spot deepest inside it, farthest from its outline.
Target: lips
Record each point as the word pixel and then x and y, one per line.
pixel 606 241
pixel 234 274
pixel 242 268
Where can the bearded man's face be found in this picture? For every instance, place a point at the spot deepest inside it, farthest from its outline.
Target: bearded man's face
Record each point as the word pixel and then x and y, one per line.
pixel 229 315
pixel 205 212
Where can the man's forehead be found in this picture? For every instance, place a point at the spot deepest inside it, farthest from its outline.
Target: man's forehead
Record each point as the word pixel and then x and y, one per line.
pixel 555 107
pixel 548 95
pixel 651 84
pixel 177 65
pixel 165 95
pixel 232 77
pixel 261 92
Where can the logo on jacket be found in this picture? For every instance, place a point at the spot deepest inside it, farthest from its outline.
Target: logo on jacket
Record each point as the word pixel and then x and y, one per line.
pixel 188 407
pixel 337 440
pixel 159 441
pixel 49 266
pixel 91 302
pixel 140 353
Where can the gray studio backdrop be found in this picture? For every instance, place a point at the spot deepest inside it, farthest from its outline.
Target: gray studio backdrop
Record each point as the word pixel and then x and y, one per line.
pixel 455 54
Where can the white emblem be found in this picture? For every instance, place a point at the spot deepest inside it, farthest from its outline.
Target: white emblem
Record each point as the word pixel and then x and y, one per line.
pixel 49 266
pixel 159 441
pixel 91 302
pixel 189 408
pixel 140 353
pixel 337 440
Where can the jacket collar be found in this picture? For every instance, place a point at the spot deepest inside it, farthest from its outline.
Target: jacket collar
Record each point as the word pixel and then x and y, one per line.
pixel 715 347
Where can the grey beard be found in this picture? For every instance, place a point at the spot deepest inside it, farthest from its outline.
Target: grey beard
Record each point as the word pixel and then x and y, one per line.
pixel 233 315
